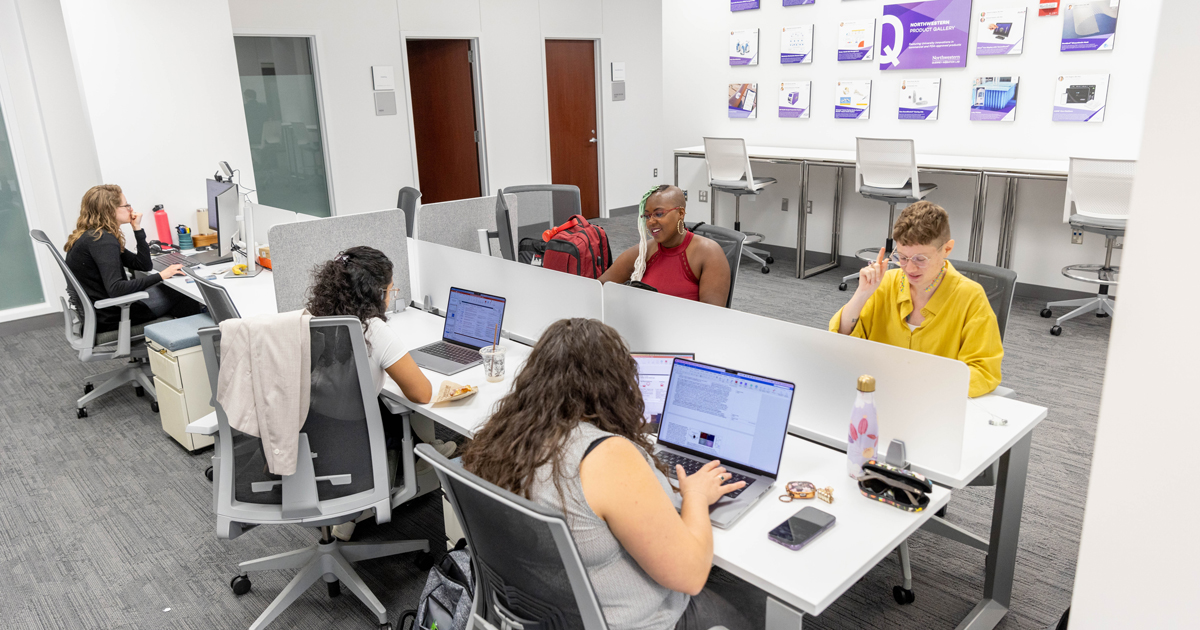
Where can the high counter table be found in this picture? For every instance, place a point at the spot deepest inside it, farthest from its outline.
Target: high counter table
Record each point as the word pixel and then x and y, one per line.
pixel 982 167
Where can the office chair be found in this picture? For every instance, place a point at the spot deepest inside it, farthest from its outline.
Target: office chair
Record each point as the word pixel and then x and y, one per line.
pixel 886 170
pixel 79 327
pixel 1098 198
pixel 407 201
pixel 350 476
pixel 216 298
pixel 544 206
pixel 729 171
pixel 731 242
pixel 526 566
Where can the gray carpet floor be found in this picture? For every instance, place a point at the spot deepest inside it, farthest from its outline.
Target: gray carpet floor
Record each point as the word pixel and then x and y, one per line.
pixel 107 521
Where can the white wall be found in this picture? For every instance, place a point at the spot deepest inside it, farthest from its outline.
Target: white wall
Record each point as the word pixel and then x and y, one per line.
pixel 696 75
pixel 160 84
pixel 1137 554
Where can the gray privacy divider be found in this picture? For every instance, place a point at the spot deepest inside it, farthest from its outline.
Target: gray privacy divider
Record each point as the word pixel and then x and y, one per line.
pixel 457 223
pixel 298 248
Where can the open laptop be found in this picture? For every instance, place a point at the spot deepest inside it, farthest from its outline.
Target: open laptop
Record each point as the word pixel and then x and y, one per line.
pixel 739 418
pixel 654 370
pixel 472 319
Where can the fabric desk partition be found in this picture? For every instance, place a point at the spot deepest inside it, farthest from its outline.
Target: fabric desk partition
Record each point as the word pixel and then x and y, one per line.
pixel 457 223
pixel 536 297
pixel 921 398
pixel 297 248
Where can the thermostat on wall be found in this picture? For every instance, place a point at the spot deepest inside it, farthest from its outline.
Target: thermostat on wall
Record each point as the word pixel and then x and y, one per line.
pixel 384 77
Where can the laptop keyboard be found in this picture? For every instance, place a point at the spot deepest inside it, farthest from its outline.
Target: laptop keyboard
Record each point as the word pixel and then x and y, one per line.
pixel 690 466
pixel 449 351
pixel 162 261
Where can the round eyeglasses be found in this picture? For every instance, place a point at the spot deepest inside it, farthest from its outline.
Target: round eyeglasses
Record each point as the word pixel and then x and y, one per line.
pixel 920 260
pixel 660 213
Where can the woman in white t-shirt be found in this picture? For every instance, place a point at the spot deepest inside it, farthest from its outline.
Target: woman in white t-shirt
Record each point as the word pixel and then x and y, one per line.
pixel 357 282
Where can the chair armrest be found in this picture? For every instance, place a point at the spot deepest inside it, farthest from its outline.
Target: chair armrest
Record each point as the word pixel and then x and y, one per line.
pixel 206 425
pixel 123 300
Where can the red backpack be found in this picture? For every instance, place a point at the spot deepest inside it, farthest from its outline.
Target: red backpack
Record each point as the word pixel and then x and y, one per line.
pixel 577 247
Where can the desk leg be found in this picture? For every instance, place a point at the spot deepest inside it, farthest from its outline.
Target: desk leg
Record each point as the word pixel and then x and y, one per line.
pixel 780 616
pixel 802 222
pixel 676 170
pixel 1001 563
pixel 802 227
pixel 978 214
pixel 1008 221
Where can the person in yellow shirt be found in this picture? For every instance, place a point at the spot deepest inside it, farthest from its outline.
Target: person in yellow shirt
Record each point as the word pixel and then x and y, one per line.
pixel 925 305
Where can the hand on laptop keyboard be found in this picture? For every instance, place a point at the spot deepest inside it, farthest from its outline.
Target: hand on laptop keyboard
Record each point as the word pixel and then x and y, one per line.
pixel 710 480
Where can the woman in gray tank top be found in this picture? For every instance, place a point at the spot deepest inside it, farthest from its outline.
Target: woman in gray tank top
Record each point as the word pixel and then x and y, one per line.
pixel 549 441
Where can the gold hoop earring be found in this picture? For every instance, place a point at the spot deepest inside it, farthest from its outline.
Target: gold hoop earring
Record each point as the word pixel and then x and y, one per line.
pixel 680 227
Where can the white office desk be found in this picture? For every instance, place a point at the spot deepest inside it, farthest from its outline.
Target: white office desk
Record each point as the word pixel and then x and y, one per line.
pixel 252 296
pixel 981 167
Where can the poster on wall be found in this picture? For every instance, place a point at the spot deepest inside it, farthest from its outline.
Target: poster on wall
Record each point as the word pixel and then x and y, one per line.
pixel 856 40
pixel 919 99
pixel 743 100
pixel 795 99
pixel 929 34
pixel 742 5
pixel 796 3
pixel 1089 26
pixel 994 99
pixel 1080 98
pixel 743 48
pixel 853 100
pixel 796 44
pixel 1000 32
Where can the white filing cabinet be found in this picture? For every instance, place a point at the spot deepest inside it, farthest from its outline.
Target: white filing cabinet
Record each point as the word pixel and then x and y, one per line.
pixel 181 382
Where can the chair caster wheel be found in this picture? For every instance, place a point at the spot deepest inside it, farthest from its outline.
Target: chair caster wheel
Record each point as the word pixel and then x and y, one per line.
pixel 87 389
pixel 335 588
pixel 766 269
pixel 1101 314
pixel 904 596
pixel 81 412
pixel 385 626
pixel 154 406
pixel 1046 312
pixel 842 287
pixel 1056 330
pixel 139 391
pixel 208 473
pixel 770 260
pixel 942 512
pixel 240 584
pixel 424 561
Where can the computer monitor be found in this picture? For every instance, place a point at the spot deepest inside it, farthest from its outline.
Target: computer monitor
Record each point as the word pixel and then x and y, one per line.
pixel 223 205
pixel 215 188
pixel 654 370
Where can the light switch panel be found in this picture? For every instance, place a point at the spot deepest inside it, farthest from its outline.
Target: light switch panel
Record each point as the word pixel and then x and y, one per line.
pixel 383 77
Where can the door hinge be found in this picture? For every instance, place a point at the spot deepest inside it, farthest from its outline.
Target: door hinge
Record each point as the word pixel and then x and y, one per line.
pixel 476 136
pixel 470 56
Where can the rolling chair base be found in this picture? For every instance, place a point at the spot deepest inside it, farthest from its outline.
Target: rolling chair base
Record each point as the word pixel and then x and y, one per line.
pixel 328 561
pixel 137 374
pixel 1103 304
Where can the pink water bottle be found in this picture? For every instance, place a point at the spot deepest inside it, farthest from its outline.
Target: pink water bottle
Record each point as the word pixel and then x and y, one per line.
pixel 163 225
pixel 863 440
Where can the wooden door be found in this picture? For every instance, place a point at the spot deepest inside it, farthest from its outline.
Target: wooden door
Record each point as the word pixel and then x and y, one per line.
pixel 571 88
pixel 443 104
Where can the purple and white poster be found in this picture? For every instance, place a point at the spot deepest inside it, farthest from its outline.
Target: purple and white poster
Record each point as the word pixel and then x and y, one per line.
pixel 796 3
pixel 794 99
pixel 919 99
pixel 853 100
pixel 1089 26
pixel 856 40
pixel 994 99
pixel 1080 98
pixel 743 100
pixel 743 47
pixel 1000 32
pixel 930 34
pixel 742 5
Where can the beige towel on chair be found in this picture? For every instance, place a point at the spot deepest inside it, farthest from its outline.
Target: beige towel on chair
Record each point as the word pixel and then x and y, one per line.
pixel 263 385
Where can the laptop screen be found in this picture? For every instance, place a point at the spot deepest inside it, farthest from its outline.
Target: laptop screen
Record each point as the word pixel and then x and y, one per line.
pixel 654 370
pixel 728 415
pixel 473 318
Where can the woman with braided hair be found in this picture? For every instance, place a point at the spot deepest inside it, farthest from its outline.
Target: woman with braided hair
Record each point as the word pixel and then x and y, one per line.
pixel 672 260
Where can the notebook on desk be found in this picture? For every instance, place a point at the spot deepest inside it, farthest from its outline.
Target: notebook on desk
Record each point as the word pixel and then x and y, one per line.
pixel 472 321
pixel 739 418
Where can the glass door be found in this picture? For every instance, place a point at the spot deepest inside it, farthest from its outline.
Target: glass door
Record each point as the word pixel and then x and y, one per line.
pixel 20 282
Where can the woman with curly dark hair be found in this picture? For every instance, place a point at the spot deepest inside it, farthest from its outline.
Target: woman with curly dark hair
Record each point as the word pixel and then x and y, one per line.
pixel 549 441
pixel 358 283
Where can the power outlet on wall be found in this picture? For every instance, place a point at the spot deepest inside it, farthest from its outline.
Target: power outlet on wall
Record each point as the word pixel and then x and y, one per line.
pixel 783 206
pixel 809 207
pixel 703 196
pixel 656 172
pixel 1077 237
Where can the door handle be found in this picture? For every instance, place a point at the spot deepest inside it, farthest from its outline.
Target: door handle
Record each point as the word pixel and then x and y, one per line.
pixel 593 141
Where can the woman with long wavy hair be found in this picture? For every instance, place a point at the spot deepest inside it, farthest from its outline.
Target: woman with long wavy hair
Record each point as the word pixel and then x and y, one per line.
pixel 97 256
pixel 549 441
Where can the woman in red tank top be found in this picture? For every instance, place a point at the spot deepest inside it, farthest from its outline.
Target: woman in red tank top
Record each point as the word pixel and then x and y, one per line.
pixel 673 260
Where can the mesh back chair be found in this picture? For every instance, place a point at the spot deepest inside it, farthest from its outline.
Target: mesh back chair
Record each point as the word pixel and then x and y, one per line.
pixel 886 170
pixel 350 475
pixel 544 206
pixel 1098 198
pixel 729 171
pixel 127 342
pixel 731 242
pixel 216 298
pixel 407 201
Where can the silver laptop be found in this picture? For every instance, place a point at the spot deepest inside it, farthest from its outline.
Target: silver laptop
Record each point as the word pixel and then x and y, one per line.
pixel 472 321
pixel 741 419
pixel 654 370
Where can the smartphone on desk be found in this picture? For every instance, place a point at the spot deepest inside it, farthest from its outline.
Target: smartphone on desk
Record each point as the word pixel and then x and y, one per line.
pixel 801 528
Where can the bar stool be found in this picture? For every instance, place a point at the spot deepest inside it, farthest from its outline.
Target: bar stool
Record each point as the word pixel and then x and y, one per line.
pixel 1098 199
pixel 886 170
pixel 729 171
